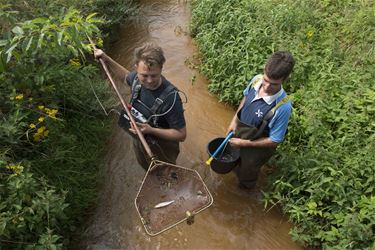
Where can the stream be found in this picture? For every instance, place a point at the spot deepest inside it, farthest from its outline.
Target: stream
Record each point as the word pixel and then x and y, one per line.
pixel 237 219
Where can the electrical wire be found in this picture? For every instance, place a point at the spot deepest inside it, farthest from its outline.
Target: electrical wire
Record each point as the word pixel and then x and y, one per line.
pixel 101 105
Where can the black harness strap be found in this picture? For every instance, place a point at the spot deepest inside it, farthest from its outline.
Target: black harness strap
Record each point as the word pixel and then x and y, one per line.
pixel 136 90
pixel 160 100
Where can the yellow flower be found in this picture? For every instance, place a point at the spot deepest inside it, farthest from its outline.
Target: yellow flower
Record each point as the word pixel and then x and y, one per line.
pixel 75 62
pixel 41 130
pixel 52 113
pixel 36 137
pixel 40 107
pixel 19 97
pixel 32 125
pixel 41 119
pixel 310 34
pixel 45 134
pixel 16 169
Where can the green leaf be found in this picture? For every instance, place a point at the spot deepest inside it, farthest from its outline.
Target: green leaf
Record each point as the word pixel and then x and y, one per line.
pixel 3 42
pixel 29 43
pixel 60 36
pixel 9 51
pixel 40 40
pixel 17 30
pixel 90 16
pixel 40 20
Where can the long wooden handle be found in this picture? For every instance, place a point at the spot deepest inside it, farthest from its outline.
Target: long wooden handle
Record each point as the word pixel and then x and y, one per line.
pixel 125 105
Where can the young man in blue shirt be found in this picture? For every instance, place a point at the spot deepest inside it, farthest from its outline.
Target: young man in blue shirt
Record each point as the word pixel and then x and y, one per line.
pixel 261 120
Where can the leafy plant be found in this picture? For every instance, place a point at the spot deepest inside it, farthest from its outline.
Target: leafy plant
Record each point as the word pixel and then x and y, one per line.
pixel 325 179
pixel 29 209
pixel 50 120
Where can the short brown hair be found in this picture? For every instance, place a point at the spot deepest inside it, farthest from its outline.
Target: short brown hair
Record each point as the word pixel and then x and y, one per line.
pixel 150 54
pixel 279 65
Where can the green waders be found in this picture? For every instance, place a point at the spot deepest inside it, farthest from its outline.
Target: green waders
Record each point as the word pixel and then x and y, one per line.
pixel 252 158
pixel 164 150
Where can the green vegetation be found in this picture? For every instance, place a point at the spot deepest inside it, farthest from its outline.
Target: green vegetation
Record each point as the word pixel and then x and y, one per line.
pixel 52 130
pixel 325 180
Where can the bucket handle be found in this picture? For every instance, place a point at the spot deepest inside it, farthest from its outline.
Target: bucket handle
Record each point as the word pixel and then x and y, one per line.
pixel 208 162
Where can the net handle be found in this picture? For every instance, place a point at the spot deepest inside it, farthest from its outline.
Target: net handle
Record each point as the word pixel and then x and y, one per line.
pixel 125 105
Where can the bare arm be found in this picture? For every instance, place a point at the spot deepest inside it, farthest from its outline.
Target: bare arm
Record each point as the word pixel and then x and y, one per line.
pixel 264 142
pixel 118 70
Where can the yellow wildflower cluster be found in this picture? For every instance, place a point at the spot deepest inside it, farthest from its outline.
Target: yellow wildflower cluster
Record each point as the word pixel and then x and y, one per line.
pixel 16 169
pixel 50 112
pixel 19 97
pixel 75 62
pixel 41 133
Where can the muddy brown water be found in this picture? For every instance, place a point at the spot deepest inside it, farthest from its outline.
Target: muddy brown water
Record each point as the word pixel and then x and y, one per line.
pixel 236 220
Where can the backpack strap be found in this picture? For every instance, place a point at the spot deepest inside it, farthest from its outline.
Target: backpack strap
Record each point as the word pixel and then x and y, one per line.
pixel 270 113
pixel 258 79
pixel 160 100
pixel 268 117
pixel 136 89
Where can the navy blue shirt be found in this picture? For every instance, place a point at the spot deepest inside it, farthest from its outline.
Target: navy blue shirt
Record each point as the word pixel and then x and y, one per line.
pixel 172 105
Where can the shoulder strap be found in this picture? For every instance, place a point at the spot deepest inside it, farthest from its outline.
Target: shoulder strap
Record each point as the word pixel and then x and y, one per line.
pixel 268 117
pixel 160 100
pixel 270 113
pixel 256 81
pixel 136 89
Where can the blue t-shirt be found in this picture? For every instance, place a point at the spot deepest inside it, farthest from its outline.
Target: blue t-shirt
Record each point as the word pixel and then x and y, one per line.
pixel 256 107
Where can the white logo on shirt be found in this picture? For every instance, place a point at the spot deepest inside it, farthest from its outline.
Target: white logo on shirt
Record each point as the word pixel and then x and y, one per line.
pixel 259 113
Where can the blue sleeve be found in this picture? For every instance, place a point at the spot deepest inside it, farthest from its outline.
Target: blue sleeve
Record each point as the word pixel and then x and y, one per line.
pixel 246 91
pixel 279 122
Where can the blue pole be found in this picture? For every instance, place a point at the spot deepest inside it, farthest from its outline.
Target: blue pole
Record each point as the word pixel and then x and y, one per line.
pixel 231 133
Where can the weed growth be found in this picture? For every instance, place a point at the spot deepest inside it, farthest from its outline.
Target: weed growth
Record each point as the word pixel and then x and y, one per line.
pixel 52 131
pixel 325 179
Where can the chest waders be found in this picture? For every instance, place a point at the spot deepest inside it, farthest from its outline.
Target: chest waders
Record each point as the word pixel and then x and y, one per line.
pixel 164 150
pixel 253 158
pixel 168 193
